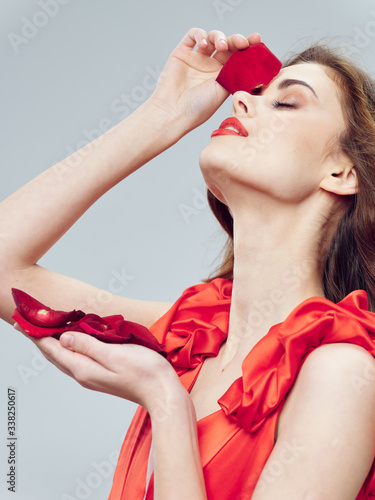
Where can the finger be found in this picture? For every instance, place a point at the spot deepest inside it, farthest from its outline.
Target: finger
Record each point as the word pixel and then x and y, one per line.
pixel 87 358
pixel 17 327
pixel 206 46
pixel 237 42
pixel 59 366
pixel 57 354
pixel 44 344
pixel 218 39
pixel 254 38
pixel 195 36
pixel 51 350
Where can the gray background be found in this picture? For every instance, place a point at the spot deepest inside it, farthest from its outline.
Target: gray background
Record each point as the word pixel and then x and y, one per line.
pixel 135 240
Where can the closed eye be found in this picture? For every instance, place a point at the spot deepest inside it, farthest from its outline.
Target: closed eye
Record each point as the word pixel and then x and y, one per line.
pixel 278 104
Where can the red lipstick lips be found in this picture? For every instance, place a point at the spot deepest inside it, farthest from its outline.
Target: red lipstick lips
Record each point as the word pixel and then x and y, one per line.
pixel 233 123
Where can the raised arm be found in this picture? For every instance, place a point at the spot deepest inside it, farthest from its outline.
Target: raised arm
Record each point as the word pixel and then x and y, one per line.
pixel 36 216
pixel 186 96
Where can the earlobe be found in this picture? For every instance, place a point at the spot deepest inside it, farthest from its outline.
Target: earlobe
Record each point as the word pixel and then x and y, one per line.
pixel 342 181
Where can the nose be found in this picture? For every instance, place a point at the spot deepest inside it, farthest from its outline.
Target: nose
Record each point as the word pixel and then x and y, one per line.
pixel 243 104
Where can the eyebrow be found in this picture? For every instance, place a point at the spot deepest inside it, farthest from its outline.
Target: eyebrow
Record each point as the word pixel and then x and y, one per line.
pixel 287 83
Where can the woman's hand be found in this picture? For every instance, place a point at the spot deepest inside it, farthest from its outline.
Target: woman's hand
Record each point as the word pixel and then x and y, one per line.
pixel 129 371
pixel 187 89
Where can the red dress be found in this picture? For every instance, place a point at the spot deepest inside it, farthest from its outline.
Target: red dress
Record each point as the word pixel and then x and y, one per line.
pixel 236 440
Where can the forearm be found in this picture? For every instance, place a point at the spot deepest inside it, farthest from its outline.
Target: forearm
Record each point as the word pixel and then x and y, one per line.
pixel 38 214
pixel 178 471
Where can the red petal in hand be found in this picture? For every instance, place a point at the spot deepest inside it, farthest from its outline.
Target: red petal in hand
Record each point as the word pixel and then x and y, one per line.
pixel 92 323
pixel 39 314
pixel 39 321
pixel 113 320
pixel 110 329
pixel 248 69
pixel 115 329
pixel 140 335
pixel 42 331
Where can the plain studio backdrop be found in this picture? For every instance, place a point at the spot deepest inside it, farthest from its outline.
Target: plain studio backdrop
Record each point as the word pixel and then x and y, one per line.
pixel 72 69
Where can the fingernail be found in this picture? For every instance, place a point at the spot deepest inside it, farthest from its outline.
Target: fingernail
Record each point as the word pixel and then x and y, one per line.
pixel 204 41
pixel 67 339
pixel 222 40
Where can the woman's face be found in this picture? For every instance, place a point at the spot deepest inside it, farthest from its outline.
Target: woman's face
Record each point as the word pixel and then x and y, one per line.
pixel 291 125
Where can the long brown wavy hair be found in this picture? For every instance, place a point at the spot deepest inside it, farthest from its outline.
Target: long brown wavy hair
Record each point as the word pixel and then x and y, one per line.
pixel 349 263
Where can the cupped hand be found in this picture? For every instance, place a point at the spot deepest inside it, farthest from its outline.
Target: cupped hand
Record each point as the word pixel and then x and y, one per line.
pixel 187 89
pixel 129 371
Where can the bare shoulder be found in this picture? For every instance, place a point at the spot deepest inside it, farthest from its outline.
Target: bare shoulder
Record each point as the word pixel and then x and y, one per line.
pixel 339 374
pixel 340 355
pixel 343 367
pixel 340 363
pixel 328 420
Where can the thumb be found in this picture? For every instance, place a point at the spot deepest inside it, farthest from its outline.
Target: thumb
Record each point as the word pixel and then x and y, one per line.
pixel 80 342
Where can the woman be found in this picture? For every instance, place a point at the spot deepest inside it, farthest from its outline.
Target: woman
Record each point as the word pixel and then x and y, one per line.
pixel 292 370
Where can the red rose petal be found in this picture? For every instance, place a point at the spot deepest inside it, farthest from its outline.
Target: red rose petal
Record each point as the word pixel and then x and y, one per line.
pixel 92 323
pixel 39 314
pixel 110 329
pixel 42 331
pixel 113 320
pixel 141 334
pixel 249 68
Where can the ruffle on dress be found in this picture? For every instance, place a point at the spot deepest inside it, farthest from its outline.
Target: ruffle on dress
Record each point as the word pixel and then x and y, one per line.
pixel 197 324
pixel 193 329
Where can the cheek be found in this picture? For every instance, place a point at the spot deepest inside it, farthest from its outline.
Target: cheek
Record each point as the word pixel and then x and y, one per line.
pixel 287 170
pixel 225 158
pixel 280 161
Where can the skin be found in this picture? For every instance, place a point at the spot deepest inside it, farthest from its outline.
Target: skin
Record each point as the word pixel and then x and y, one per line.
pixel 290 187
pixel 186 96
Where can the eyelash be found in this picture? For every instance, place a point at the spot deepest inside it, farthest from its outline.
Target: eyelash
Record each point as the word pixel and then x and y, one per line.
pixel 278 104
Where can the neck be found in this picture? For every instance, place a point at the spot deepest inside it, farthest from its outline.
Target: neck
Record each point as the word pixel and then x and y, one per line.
pixel 275 268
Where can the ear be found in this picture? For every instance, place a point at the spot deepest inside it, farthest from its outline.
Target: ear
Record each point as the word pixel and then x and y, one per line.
pixel 341 179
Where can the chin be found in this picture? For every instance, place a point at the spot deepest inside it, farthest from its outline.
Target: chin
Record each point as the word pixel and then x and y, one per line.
pixel 218 194
pixel 215 174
